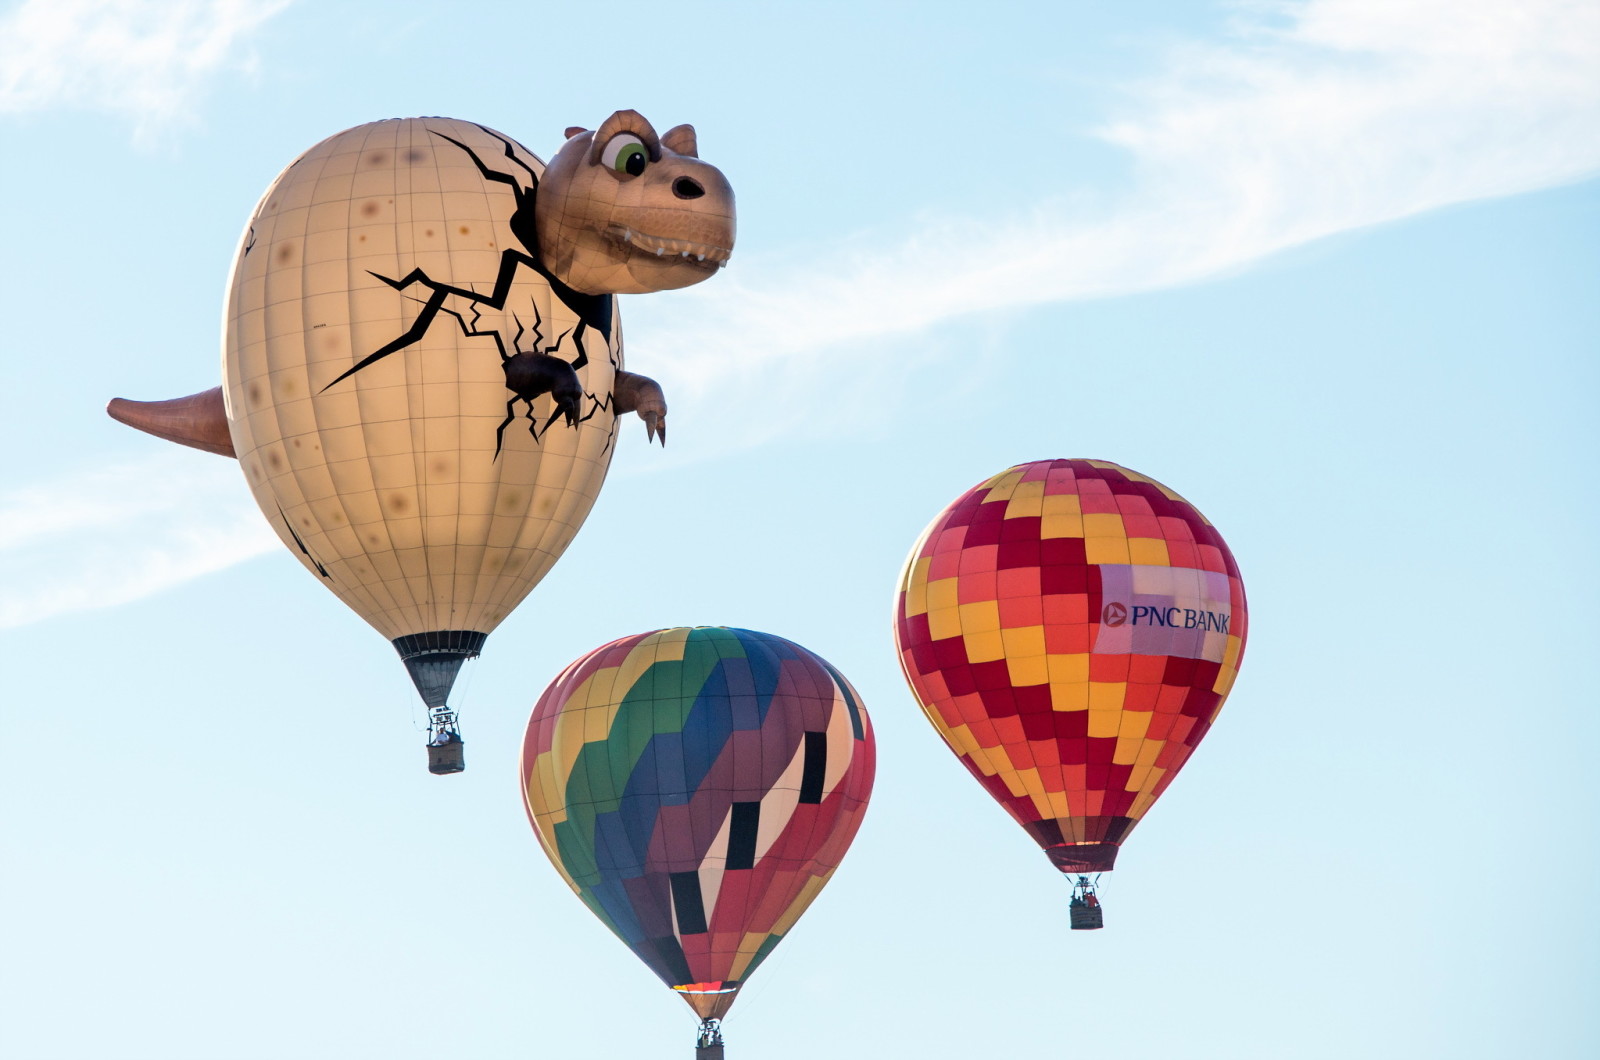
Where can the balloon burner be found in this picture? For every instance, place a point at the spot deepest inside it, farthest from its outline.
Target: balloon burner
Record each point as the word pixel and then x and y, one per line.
pixel 708 1046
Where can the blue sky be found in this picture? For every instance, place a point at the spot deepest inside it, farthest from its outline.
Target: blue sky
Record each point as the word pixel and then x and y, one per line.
pixel 1326 268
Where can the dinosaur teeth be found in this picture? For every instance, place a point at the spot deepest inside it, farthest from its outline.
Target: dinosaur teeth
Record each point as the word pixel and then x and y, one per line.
pixel 685 250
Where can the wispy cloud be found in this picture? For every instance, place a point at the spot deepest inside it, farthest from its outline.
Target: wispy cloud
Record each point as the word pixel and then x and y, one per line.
pixel 1310 119
pixel 148 59
pixel 114 534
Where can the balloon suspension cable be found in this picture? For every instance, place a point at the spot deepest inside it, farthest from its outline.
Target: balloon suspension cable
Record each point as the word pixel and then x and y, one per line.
pixel 445 748
pixel 708 1046
pixel 1087 915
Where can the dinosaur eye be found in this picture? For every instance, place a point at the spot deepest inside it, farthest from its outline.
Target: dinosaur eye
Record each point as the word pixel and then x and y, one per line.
pixel 625 153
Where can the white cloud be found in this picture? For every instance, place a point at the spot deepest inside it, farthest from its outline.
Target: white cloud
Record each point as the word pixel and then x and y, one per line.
pixel 110 535
pixel 148 59
pixel 1310 119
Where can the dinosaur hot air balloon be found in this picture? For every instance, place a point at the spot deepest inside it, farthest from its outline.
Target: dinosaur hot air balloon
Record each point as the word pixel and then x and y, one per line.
pixel 423 363
pixel 697 788
pixel 1071 628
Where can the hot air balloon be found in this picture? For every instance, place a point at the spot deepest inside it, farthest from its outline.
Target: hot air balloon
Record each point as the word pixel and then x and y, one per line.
pixel 1071 629
pixel 423 362
pixel 697 788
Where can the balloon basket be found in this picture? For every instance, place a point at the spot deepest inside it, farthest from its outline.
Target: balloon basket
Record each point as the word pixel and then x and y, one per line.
pixel 1085 910
pixel 447 758
pixel 1087 918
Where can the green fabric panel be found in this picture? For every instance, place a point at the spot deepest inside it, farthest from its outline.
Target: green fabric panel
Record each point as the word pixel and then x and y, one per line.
pixel 658 702
pixel 761 954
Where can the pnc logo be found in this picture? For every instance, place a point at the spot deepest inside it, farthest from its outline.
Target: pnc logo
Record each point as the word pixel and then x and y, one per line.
pixel 1114 615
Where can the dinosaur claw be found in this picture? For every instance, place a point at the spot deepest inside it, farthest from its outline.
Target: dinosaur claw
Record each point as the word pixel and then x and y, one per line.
pixel 655 425
pixel 641 394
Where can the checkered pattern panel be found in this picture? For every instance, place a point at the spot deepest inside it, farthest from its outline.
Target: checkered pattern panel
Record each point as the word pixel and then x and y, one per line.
pixel 697 788
pixel 1071 628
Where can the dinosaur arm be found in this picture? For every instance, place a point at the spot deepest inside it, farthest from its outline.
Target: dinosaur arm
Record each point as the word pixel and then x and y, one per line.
pixel 641 394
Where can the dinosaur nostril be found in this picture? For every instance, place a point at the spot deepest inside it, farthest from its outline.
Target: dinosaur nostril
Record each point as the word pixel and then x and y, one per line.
pixel 687 188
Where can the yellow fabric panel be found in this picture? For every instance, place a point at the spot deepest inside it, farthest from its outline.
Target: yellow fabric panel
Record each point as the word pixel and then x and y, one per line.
pixel 1069 669
pixel 1106 549
pixel 1069 695
pixel 1026 499
pixel 1102 723
pixel 1149 551
pixel 1060 803
pixel 1134 724
pixel 961 739
pixel 808 893
pixel 1063 525
pixel 1107 695
pixel 1002 485
pixel 1028 670
pixel 1026 644
pixel 1147 782
pixel 984 647
pixel 944 623
pixel 1062 504
pixel 942 594
pixel 1103 524
pixel 1224 682
pixel 980 617
pixel 1127 751
pixel 986 765
pixel 748 946
pixel 916 588
pixel 1230 658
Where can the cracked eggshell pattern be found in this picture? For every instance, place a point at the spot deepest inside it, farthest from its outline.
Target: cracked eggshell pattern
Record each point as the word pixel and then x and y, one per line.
pixel 386 484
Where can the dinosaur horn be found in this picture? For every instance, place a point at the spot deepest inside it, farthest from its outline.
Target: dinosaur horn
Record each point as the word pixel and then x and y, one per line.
pixel 197 420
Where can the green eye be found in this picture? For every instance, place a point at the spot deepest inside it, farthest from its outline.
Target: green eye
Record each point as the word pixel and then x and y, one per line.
pixel 625 153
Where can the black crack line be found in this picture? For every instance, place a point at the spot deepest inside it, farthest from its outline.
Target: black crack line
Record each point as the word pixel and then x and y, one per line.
pixel 290 527
pixel 592 310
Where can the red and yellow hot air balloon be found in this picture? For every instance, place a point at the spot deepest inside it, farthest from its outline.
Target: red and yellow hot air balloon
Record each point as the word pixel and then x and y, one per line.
pixel 697 788
pixel 1071 628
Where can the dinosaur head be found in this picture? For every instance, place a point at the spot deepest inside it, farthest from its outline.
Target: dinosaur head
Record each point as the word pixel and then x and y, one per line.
pixel 624 211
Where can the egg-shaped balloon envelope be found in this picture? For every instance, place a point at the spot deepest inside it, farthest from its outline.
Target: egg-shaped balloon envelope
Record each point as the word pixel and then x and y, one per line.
pixel 697 788
pixel 1071 629
pixel 405 481
pixel 423 366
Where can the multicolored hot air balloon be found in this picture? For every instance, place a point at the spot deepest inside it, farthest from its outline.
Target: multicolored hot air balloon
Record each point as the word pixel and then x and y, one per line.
pixel 423 363
pixel 697 788
pixel 1071 628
